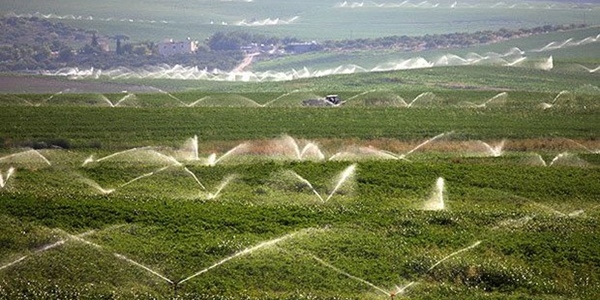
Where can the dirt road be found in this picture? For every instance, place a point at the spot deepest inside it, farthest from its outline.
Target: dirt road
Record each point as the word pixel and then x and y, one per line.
pixel 246 62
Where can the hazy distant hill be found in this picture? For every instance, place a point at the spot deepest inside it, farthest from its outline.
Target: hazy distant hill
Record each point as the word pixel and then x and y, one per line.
pixel 160 19
pixel 51 35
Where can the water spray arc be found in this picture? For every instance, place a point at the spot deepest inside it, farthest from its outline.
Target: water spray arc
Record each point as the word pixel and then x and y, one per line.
pixel 544 207
pixel 437 199
pixel 280 97
pixel 194 73
pixel 133 262
pixel 91 159
pixel 398 290
pixel 80 238
pixel 191 147
pixel 197 101
pixel 558 213
pixel 453 254
pixel 42 249
pixel 143 176
pixel 561 95
pixel 428 95
pixel 5 177
pixel 195 178
pixel 123 99
pixel 425 143
pixel 246 251
pixel 21 99
pixel 305 181
pixel 497 98
pixel 105 191
pixel 96 186
pixel 380 289
pixel 496 150
pixel 342 178
pixel 85 18
pixel 169 95
pixel 387 154
pixel 590 70
pixel 556 158
pixel 155 156
pixel 118 103
pixel 267 22
pixel 403 156
pixel 309 151
pixel 360 94
pixel 14 262
pixel 221 186
pixel 564 158
pixel 51 97
pixel 212 159
pixel 584 147
pixel 32 152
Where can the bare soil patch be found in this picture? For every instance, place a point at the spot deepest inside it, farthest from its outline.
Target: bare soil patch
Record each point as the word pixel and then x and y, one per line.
pixel 17 84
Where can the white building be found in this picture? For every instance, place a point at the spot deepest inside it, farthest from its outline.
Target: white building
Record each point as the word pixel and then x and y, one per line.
pixel 171 47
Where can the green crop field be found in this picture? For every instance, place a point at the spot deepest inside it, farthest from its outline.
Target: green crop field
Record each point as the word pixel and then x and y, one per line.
pixel 478 178
pixel 421 191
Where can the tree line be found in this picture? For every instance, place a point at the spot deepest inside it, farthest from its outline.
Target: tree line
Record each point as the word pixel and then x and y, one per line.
pixel 440 41
pixel 33 44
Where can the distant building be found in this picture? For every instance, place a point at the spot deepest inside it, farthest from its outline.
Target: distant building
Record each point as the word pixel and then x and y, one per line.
pixel 302 47
pixel 258 48
pixel 171 47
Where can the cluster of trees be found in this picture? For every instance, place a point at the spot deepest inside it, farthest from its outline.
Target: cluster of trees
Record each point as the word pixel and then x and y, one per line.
pixel 234 40
pixel 435 41
pixel 32 44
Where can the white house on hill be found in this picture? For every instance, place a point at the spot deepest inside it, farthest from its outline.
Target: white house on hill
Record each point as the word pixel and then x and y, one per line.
pixel 171 47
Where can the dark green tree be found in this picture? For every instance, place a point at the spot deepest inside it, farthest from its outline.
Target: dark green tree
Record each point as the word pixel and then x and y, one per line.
pixel 224 42
pixel 94 42
pixel 118 38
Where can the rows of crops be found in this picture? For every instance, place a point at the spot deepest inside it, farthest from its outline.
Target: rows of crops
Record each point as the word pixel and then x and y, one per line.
pixel 582 97
pixel 436 190
pixel 132 127
pixel 531 230
pixel 148 214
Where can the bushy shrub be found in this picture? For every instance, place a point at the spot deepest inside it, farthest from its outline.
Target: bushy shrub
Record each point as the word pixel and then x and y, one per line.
pixel 48 144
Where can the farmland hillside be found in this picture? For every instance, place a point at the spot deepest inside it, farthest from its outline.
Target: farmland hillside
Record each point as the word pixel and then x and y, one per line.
pixel 36 44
